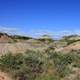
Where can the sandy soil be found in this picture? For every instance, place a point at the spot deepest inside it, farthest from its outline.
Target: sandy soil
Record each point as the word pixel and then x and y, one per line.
pixel 4 76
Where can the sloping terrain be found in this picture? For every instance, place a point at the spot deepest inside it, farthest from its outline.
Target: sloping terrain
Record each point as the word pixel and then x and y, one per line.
pixel 26 58
pixel 19 47
pixel 74 46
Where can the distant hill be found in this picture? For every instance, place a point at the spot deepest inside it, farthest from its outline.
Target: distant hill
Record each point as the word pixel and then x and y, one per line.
pixel 6 38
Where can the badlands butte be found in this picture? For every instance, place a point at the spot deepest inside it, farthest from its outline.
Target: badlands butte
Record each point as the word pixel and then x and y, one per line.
pixel 20 44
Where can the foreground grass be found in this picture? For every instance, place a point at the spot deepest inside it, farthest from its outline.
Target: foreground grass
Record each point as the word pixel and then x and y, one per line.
pixel 36 65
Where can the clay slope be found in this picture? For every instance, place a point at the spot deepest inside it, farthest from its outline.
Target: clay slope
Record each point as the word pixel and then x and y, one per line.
pixel 68 48
pixel 5 38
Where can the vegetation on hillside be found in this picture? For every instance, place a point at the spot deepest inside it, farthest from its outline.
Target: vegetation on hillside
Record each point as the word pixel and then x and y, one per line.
pixel 43 64
pixel 36 65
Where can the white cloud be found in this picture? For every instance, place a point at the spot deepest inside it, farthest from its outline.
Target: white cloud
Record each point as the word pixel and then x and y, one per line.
pixel 8 29
pixel 38 32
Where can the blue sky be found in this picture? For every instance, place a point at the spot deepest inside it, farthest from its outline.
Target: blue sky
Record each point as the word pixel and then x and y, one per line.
pixel 35 17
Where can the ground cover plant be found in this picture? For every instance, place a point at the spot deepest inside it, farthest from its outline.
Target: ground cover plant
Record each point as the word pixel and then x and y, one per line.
pixel 36 65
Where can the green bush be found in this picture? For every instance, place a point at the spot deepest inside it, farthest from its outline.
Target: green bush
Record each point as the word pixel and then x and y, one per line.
pixel 47 77
pixel 22 67
pixel 61 63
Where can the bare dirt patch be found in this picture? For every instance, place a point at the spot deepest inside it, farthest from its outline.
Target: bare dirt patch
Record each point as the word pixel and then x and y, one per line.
pixel 4 76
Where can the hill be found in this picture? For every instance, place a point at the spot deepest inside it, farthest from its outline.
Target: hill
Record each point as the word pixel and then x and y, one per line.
pixel 26 58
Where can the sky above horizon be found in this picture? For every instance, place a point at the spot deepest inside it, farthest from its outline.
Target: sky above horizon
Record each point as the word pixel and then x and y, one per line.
pixel 35 17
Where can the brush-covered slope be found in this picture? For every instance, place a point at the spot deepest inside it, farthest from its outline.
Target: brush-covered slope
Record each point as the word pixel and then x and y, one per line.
pixel 26 58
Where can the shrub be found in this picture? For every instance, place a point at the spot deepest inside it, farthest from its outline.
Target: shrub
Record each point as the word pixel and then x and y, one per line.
pixel 61 63
pixel 20 66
